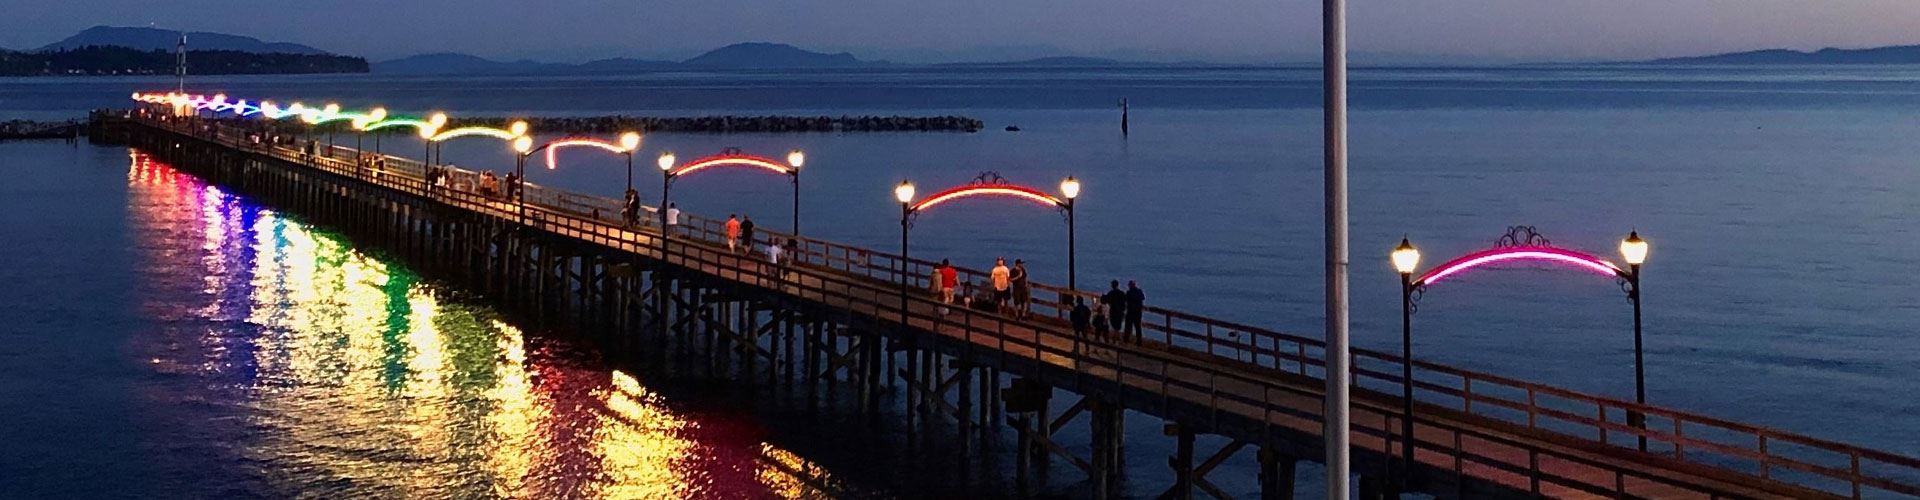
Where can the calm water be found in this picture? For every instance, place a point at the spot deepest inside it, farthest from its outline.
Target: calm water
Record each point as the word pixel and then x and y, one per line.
pixel 1775 200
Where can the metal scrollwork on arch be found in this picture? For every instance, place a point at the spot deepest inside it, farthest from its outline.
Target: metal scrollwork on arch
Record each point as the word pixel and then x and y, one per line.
pixel 1413 298
pixel 989 177
pixel 1522 236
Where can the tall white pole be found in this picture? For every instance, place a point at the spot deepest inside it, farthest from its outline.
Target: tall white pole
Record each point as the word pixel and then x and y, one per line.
pixel 1334 64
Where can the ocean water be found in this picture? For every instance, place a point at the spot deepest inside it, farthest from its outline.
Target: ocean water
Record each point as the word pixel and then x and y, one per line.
pixel 1775 200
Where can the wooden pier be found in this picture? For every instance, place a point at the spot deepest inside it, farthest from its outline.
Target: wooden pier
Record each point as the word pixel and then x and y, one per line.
pixel 845 318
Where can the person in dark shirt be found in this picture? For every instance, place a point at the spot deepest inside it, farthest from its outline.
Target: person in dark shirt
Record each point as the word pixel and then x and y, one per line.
pixel 630 211
pixel 1082 317
pixel 746 234
pixel 1136 304
pixel 1116 302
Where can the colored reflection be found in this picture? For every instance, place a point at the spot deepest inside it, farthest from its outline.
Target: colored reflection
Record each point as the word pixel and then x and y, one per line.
pixel 330 371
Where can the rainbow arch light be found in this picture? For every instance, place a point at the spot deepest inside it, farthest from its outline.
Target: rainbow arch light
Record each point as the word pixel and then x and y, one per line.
pixel 398 122
pixel 1534 253
pixel 991 190
pixel 732 160
pixel 370 119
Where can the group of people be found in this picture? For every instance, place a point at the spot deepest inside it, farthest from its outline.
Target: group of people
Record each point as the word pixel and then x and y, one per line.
pixel 1012 290
pixel 1117 311
pixel 375 163
pixel 739 233
pixel 490 184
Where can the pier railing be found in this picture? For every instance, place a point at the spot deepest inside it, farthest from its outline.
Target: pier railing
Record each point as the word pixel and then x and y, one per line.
pixel 1228 355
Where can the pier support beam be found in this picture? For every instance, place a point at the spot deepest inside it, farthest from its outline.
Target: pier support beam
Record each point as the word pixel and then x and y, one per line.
pixel 1276 475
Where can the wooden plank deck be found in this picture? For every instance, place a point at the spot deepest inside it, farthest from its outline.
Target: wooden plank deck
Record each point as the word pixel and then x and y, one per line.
pixel 1245 393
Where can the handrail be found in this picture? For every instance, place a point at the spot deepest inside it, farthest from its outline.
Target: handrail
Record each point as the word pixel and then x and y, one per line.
pixel 1177 331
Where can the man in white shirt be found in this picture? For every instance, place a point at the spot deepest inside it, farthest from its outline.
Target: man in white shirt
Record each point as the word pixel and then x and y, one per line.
pixel 1002 284
pixel 673 216
pixel 774 254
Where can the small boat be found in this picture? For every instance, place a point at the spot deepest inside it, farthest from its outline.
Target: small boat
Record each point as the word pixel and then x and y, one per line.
pixel 1013 128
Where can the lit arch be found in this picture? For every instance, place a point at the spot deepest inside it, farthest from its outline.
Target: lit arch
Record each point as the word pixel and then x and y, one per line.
pixel 554 146
pixel 1537 253
pixel 989 189
pixel 398 122
pixel 734 160
pixel 502 134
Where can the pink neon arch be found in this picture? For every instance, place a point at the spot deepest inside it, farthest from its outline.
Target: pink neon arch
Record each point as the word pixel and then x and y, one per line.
pixel 1533 253
pixel 556 144
pixel 1005 190
pixel 735 160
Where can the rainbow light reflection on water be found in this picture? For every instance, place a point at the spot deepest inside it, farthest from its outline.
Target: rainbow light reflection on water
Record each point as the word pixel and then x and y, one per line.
pixel 339 373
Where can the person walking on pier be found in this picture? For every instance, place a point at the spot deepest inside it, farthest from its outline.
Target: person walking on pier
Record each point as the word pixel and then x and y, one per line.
pixel 1082 318
pixel 630 211
pixel 1136 305
pixel 1100 329
pixel 513 186
pixel 673 217
pixel 774 254
pixel 949 280
pixel 1002 285
pixel 1022 290
pixel 733 232
pixel 1116 304
pixel 746 233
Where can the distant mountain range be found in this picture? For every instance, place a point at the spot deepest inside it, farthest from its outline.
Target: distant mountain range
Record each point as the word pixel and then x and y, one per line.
pixel 768 56
pixel 147 39
pixel 108 50
pixel 1902 54
pixel 739 56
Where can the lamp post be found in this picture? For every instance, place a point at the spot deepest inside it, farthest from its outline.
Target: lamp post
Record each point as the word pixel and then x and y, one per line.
pixel 665 162
pixel 329 112
pixel 434 123
pixel 795 159
pixel 1634 250
pixel 629 142
pixel 522 146
pixel 904 193
pixel 1405 259
pixel 1070 189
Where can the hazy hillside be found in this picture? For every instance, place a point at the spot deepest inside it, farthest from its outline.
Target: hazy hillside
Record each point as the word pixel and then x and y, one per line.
pixel 159 39
pixel 1905 54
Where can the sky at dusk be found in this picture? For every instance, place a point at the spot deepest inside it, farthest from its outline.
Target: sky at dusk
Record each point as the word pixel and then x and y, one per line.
pixel 1223 30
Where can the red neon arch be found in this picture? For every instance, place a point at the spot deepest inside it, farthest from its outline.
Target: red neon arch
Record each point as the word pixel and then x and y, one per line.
pixel 1534 253
pixel 1005 190
pixel 732 160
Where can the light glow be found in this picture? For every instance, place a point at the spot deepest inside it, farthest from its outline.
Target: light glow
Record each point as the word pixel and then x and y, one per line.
pixel 1406 258
pixel 666 163
pixel 1007 190
pixel 1539 253
pixel 903 192
pixel 797 158
pixel 1070 188
pixel 733 160
pixel 1634 249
